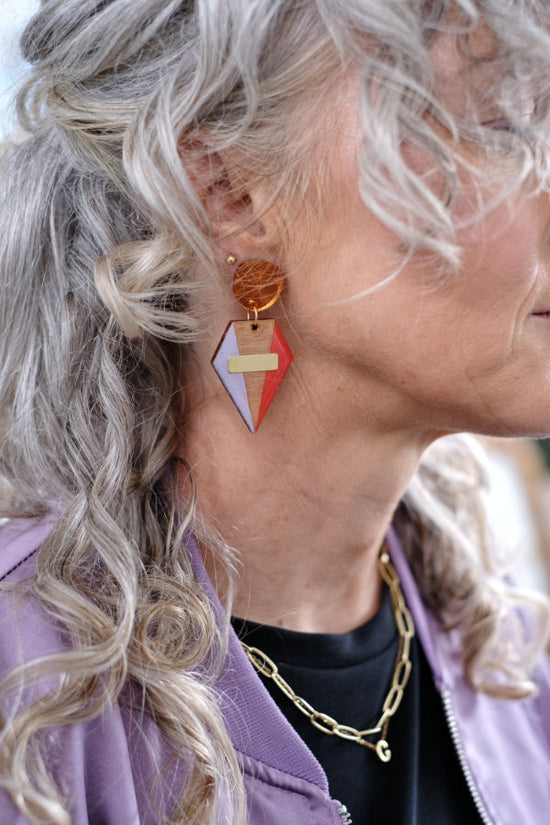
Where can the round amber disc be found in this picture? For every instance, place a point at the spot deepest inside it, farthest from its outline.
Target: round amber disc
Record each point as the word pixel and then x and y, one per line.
pixel 257 284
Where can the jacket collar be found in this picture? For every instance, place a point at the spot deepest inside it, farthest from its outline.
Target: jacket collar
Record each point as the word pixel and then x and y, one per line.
pixel 255 724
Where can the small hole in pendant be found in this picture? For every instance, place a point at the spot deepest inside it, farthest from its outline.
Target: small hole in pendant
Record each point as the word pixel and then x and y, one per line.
pixel 254 327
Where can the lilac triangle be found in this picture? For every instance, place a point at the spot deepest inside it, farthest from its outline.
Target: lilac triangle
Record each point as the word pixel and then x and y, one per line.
pixel 233 382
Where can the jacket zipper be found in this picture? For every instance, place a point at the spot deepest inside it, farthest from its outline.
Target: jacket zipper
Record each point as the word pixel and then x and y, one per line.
pixel 345 815
pixel 455 736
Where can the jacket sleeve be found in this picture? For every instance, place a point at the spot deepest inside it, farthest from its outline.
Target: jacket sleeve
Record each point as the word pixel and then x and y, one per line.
pixel 542 702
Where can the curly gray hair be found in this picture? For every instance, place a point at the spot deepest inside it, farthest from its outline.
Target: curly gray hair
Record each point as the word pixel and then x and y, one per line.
pixel 102 234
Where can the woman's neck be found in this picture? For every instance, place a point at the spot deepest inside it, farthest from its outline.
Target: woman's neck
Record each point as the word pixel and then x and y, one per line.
pixel 306 506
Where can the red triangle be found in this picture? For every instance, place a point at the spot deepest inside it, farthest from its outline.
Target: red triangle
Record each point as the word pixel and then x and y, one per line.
pixel 274 378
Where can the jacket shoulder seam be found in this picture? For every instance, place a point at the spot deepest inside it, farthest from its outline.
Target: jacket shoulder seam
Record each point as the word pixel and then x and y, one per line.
pixel 19 563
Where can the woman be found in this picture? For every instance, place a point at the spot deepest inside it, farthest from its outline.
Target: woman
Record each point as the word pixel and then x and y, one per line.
pixel 387 164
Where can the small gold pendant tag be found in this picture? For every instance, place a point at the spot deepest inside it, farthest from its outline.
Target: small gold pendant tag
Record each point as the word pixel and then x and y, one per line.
pixel 383 750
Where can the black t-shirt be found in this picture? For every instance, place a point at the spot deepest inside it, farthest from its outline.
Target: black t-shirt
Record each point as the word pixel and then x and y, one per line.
pixel 348 677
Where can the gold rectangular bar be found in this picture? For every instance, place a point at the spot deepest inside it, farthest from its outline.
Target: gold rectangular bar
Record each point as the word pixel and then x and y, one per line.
pixel 267 362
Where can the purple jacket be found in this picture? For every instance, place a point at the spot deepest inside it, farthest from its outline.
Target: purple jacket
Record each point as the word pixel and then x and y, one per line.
pixel 108 764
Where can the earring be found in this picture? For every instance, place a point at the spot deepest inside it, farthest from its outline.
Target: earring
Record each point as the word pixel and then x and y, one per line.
pixel 252 357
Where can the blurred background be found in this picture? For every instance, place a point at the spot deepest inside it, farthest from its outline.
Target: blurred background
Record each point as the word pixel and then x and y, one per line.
pixel 519 471
pixel 13 16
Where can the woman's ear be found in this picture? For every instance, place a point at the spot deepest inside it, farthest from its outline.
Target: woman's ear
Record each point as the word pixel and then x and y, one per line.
pixel 235 205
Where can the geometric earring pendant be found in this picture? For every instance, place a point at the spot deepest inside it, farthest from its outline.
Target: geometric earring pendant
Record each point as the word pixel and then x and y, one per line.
pixel 251 361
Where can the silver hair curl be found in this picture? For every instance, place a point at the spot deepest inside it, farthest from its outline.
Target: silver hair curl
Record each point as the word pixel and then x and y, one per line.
pixel 102 234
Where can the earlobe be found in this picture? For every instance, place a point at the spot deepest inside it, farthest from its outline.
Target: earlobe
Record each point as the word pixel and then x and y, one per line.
pixel 233 207
pixel 217 179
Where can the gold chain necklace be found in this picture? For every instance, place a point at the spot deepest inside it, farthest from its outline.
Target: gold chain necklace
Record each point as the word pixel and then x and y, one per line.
pixel 401 672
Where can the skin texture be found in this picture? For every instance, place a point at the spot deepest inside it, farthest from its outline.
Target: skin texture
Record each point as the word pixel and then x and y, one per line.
pixel 307 500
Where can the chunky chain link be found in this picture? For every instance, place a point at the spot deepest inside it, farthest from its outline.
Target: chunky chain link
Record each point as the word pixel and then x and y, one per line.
pixel 402 670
